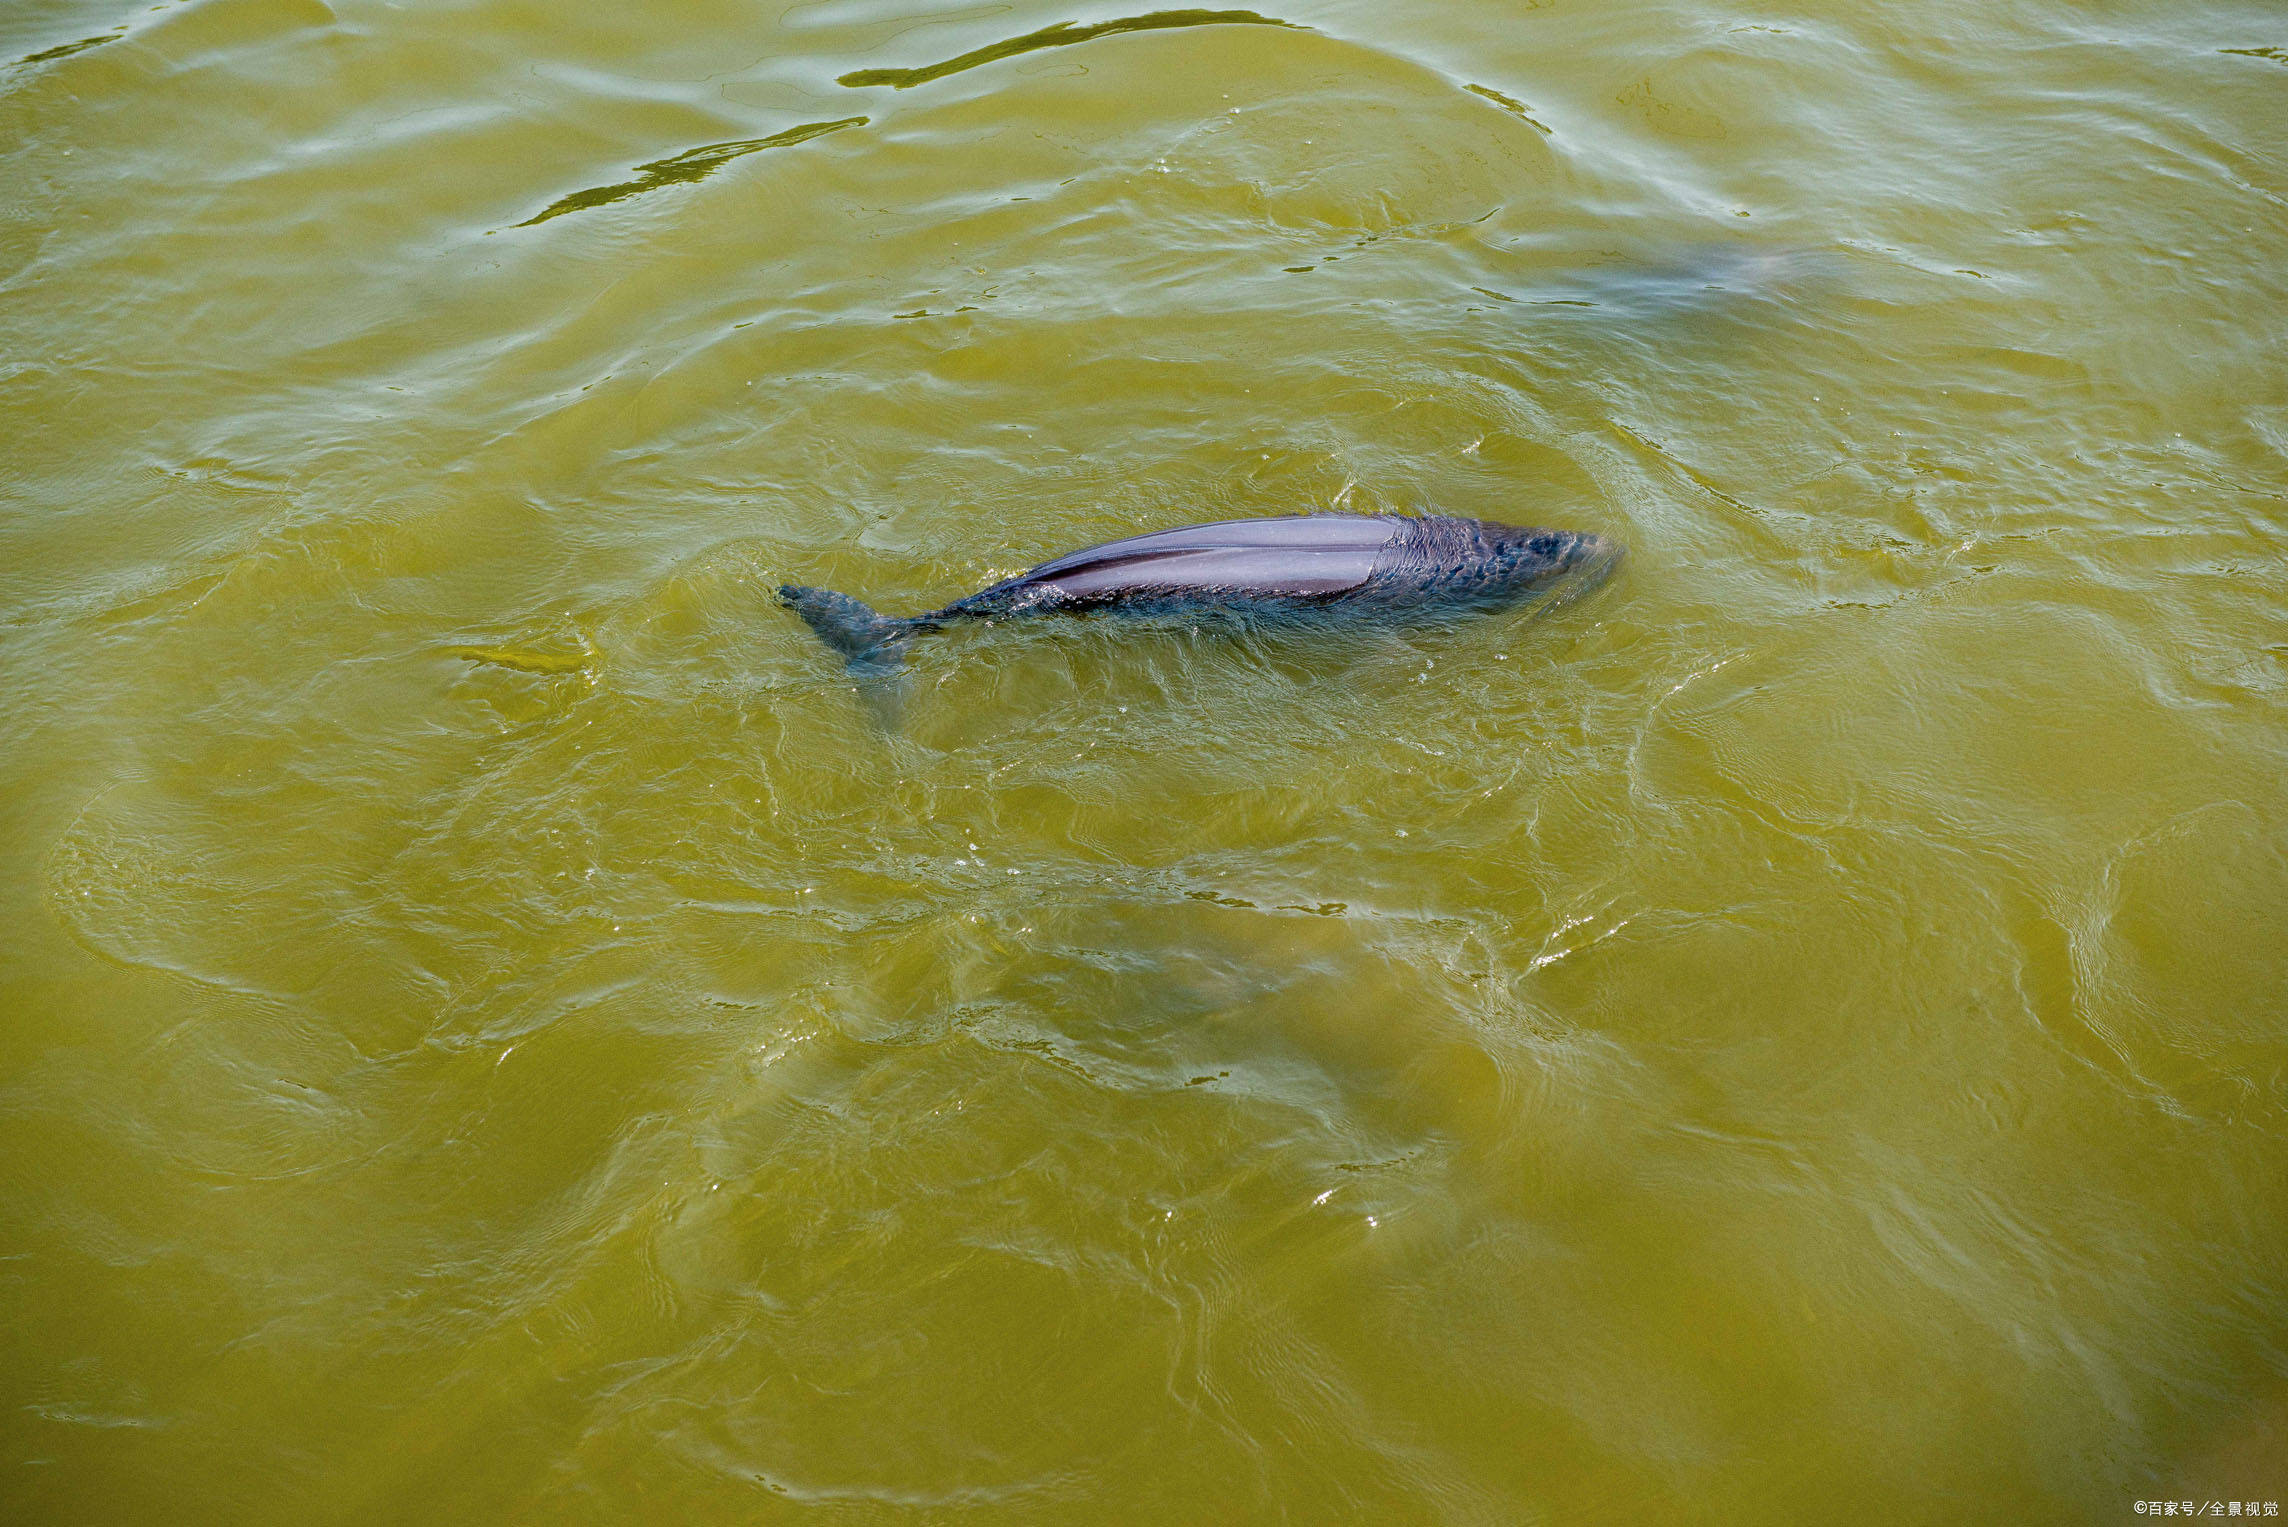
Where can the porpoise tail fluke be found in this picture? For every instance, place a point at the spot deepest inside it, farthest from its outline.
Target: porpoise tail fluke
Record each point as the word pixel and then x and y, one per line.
pixel 869 641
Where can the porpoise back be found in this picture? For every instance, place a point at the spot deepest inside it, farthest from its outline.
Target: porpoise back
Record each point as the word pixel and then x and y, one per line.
pixel 1300 556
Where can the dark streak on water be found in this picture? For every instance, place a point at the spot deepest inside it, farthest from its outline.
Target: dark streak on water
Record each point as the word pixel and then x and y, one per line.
pixel 1063 35
pixel 66 50
pixel 685 168
pixel 1514 107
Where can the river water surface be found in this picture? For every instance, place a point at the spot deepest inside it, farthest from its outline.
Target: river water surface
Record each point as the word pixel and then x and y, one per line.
pixel 498 1030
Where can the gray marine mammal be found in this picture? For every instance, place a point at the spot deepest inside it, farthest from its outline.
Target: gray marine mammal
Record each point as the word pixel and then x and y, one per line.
pixel 1388 566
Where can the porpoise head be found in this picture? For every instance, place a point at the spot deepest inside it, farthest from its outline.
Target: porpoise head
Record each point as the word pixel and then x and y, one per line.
pixel 1538 560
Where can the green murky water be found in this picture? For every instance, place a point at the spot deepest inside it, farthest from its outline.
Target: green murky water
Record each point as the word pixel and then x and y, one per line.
pixel 494 1030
